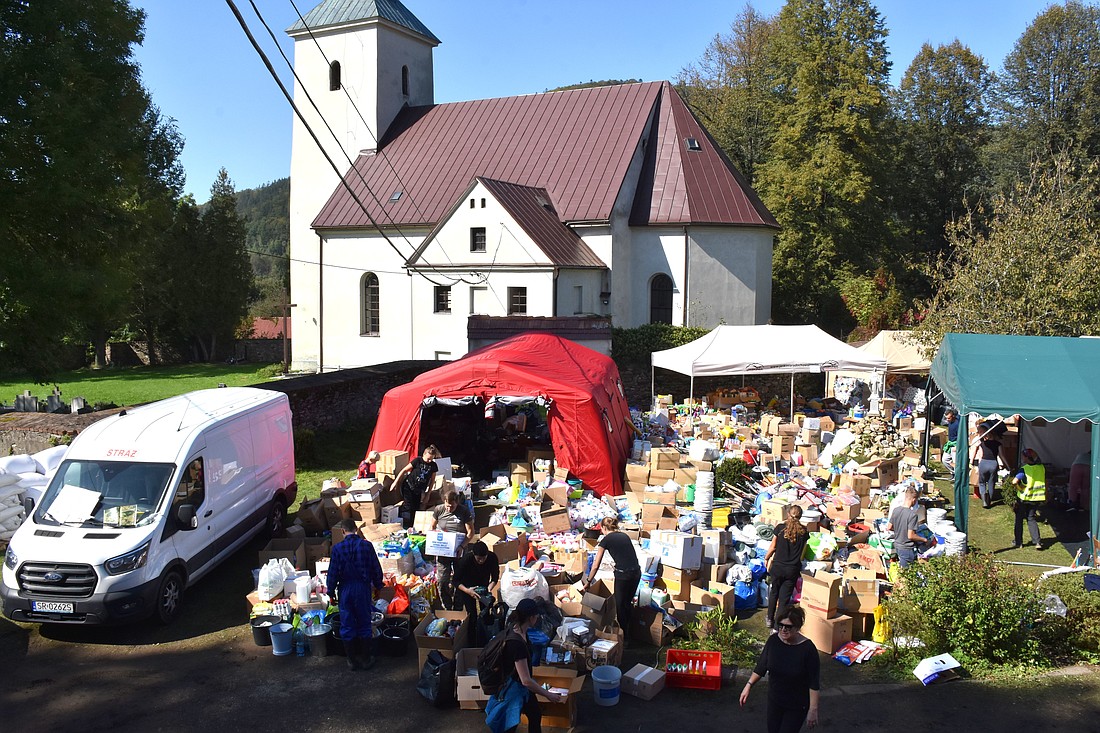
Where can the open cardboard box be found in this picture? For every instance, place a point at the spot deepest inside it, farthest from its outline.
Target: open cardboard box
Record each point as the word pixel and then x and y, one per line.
pixel 559 714
pixel 470 696
pixel 446 645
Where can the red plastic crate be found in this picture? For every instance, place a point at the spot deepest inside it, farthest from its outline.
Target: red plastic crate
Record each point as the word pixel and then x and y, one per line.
pixel 711 680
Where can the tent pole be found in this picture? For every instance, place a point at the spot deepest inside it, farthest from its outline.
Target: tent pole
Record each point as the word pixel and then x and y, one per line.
pixel 792 396
pixel 1094 497
pixel 692 398
pixel 652 385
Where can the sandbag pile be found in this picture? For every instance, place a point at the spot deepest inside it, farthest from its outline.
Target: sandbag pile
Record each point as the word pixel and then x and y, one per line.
pixel 876 436
pixel 21 476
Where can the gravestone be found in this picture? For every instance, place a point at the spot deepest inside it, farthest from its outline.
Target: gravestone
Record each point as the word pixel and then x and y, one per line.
pixel 77 405
pixel 26 402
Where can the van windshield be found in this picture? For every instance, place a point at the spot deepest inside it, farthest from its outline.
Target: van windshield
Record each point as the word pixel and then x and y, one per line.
pixel 105 494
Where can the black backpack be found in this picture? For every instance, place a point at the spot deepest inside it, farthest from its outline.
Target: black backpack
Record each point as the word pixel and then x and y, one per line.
pixel 491 671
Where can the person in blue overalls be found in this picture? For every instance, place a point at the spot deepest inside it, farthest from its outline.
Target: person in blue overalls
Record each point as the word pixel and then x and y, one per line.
pixel 353 574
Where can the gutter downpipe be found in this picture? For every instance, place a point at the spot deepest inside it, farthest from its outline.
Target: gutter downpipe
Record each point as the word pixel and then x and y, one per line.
pixel 320 304
pixel 686 281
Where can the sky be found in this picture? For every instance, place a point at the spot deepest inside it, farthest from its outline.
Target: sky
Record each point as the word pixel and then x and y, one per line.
pixel 202 71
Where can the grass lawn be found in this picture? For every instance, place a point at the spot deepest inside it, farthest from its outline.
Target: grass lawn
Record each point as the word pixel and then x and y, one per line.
pixel 991 530
pixel 138 385
pixel 336 453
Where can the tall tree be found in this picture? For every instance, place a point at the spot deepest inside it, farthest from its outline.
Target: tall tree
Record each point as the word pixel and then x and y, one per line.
pixel 824 179
pixel 71 107
pixel 1034 269
pixel 730 89
pixel 943 109
pixel 1050 89
pixel 220 282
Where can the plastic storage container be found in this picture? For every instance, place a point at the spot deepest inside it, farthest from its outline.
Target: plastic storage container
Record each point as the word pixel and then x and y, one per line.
pixel 605 684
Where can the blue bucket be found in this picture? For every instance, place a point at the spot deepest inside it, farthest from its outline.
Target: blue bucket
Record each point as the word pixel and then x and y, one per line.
pixel 282 639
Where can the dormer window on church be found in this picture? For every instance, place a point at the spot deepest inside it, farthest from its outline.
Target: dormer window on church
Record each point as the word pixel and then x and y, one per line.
pixel 334 76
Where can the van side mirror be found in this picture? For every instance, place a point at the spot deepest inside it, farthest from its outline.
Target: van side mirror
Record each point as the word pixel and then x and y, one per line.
pixel 28 505
pixel 186 517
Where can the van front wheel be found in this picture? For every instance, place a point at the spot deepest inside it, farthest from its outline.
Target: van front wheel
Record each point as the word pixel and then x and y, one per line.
pixel 169 596
pixel 276 520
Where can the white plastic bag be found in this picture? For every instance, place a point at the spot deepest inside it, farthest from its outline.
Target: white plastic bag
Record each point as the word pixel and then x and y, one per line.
pixel 517 584
pixel 272 576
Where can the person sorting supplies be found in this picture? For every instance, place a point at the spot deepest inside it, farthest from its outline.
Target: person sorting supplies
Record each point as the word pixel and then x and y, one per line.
pixel 353 574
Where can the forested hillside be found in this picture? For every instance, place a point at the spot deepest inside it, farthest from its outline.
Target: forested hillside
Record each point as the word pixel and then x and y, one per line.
pixel 265 211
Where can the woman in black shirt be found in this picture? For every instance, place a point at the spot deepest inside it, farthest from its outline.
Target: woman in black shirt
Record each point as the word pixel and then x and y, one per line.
pixel 784 560
pixel 794 676
pixel 520 693
pixel 416 480
pixel 628 573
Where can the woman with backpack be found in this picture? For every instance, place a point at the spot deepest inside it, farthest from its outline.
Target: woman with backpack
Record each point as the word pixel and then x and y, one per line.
pixel 506 659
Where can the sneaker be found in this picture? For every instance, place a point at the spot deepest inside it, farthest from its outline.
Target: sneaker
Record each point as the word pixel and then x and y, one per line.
pixel 987 505
pixel 1073 509
pixel 1039 546
pixel 1017 546
pixel 769 622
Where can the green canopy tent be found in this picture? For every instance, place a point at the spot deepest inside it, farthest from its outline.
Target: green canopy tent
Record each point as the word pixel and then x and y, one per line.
pixel 1045 377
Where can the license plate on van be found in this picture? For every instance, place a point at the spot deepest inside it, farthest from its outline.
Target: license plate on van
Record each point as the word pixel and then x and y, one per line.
pixel 51 607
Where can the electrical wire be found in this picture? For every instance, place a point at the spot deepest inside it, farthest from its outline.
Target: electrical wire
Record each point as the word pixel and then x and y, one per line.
pixel 271 69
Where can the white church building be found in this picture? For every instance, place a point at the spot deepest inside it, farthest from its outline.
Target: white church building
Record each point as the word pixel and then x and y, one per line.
pixel 610 201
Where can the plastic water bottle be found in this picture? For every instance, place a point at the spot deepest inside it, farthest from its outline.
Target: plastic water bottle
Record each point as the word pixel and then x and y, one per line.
pixel 299 643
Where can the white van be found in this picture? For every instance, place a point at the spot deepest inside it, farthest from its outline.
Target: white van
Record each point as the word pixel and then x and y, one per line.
pixel 148 501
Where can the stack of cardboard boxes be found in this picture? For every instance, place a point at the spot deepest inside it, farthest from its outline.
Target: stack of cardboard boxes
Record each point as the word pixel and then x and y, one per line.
pixel 825 627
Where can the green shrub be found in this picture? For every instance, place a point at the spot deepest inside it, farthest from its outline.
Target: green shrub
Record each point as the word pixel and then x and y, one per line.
pixel 1010 492
pixel 636 344
pixel 714 631
pixel 731 471
pixel 1080 629
pixel 305 447
pixel 970 606
pixel 271 371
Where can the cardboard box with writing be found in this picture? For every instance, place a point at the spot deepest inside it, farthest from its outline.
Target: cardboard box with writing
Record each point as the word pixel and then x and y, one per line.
pixel 773 511
pixel 376 532
pixel 363 509
pixel 677 549
pixel 391 462
pixel 828 634
pixel 842 511
pixel 820 593
pixel 643 682
pixel 782 444
pixel 556 520
pixel 869 558
pixel 444 544
pixel 293 550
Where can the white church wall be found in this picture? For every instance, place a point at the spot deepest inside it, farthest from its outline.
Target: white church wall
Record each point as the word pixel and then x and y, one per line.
pixel 729 276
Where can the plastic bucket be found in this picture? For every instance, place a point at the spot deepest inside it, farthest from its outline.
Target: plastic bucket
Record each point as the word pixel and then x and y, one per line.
pixel 394 641
pixel 282 639
pixel 261 629
pixel 319 638
pixel 605 684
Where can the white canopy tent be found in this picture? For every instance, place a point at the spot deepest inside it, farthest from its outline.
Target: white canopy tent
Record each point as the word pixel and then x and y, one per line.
pixel 903 355
pixel 767 349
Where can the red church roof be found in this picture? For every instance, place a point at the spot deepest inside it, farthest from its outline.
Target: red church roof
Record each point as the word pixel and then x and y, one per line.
pixel 578 145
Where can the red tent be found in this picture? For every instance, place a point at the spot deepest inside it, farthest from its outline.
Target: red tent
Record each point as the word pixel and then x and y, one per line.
pixel 588 416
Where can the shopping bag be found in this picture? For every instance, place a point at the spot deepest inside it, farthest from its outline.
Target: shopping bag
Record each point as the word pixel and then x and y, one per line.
pixel 400 602
pixel 437 680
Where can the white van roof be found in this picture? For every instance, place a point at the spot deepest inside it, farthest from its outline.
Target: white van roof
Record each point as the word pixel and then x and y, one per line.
pixel 159 431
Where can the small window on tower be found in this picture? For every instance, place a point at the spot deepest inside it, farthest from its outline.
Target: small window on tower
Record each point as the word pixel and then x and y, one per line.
pixel 334 76
pixel 405 80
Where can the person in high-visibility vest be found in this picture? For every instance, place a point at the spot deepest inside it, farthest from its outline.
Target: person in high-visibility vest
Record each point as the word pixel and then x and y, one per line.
pixel 1032 493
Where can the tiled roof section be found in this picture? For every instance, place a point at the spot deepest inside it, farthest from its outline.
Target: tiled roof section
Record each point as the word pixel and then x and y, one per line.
pixel 576 144
pixel 342 12
pixel 682 186
pixel 534 211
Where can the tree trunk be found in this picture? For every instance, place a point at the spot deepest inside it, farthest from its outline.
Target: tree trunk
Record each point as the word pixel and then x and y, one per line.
pixel 99 341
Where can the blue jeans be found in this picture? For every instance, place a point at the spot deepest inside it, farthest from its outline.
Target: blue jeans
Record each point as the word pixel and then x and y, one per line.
pixel 906 556
pixel 987 479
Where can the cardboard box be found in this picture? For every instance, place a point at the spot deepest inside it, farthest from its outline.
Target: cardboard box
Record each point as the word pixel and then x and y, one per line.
pixel 544 453
pixel 860 596
pixel 292 549
pixel 650 626
pixel 859 484
pixel 559 714
pixel 882 471
pixel 254 597
pixel 643 682
pixel 376 532
pixel 333 507
pixel 364 510
pixel 714 573
pixel 714 594
pixel 660 477
pixel 391 462
pixel 519 471
pixel 828 634
pixel 398 565
pixel 664 459
pixel 677 549
pixel 826 423
pixel 316 548
pixel 773 511
pixel 495 538
pixel 556 520
pixel 869 558
pixel 809 453
pixel 444 544
pixel 667 498
pixel 654 513
pixel 637 472
pixel 446 645
pixel 678 582
pixel 469 694
pixel 597 603
pixel 782 444
pixel 820 593
pixel 311 514
pixel 843 512
pixel 684 475
pixel 715 544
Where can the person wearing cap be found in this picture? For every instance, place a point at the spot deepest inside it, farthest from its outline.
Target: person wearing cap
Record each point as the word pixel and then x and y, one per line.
pixel 520 693
pixel 480 568
pixel 1032 492
pixel 354 572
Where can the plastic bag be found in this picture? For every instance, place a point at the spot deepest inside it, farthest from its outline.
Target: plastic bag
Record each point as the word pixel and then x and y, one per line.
pixel 1053 604
pixel 517 584
pixel 400 602
pixel 739 574
pixel 437 680
pixel 882 625
pixel 745 595
pixel 820 546
pixel 272 575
